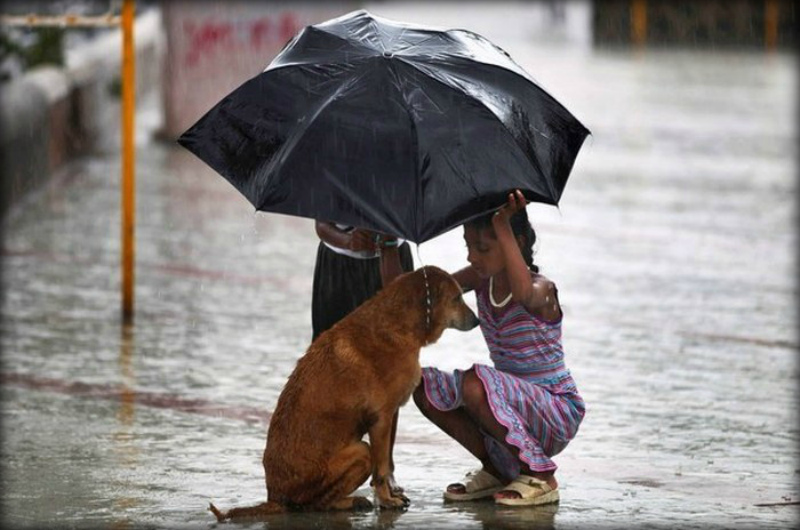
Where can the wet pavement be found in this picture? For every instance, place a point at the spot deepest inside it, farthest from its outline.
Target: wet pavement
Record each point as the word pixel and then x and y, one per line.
pixel 674 253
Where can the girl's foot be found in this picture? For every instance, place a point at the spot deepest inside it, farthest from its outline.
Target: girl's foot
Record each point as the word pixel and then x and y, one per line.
pixel 478 484
pixel 539 488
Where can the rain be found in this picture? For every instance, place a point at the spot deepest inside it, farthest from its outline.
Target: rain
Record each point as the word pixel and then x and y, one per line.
pixel 673 247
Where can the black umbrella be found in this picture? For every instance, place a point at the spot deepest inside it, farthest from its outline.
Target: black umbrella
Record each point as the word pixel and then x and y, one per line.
pixel 402 129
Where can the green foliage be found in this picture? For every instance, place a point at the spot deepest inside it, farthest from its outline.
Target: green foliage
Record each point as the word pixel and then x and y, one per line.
pixel 48 48
pixel 115 87
pixel 33 47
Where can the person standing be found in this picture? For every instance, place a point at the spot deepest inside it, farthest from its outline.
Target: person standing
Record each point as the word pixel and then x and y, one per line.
pixel 352 265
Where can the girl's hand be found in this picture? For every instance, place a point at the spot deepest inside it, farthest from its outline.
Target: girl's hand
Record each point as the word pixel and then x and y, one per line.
pixel 516 202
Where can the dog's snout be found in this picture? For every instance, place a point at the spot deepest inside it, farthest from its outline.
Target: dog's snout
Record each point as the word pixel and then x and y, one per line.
pixel 467 321
pixel 472 321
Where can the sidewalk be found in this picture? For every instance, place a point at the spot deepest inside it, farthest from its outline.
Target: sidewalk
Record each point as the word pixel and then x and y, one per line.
pixel 673 249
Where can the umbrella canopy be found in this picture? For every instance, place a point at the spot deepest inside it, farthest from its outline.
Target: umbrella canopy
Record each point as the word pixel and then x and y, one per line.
pixel 402 129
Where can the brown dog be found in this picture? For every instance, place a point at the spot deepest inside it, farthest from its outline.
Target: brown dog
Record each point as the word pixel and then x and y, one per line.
pixel 351 381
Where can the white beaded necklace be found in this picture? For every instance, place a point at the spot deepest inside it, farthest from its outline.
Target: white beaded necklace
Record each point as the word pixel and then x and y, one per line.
pixel 491 295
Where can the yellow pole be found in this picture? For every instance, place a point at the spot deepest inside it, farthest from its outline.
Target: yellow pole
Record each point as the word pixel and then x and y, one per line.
pixel 639 22
pixel 128 186
pixel 128 174
pixel 771 24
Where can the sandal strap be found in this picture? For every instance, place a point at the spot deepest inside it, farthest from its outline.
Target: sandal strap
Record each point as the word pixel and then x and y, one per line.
pixel 527 486
pixel 477 480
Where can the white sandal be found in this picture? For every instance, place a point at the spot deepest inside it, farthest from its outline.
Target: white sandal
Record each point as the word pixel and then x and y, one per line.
pixel 532 492
pixel 478 484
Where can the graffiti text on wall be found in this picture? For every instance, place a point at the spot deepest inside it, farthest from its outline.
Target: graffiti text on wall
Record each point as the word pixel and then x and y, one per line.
pixel 209 37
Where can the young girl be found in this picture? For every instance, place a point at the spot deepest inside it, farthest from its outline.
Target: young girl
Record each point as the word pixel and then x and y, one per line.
pixel 517 414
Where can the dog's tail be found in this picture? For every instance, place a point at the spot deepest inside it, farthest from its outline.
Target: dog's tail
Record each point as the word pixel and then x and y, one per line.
pixel 252 512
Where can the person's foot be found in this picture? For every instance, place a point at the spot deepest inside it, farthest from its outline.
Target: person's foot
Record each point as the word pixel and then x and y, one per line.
pixel 514 494
pixel 475 485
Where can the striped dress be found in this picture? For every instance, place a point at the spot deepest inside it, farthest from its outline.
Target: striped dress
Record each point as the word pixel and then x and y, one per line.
pixel 529 389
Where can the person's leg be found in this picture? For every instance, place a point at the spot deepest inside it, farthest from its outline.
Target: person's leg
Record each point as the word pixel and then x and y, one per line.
pixel 459 426
pixel 476 406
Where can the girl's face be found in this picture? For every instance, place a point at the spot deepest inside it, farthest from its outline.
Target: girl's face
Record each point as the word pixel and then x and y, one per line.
pixel 483 251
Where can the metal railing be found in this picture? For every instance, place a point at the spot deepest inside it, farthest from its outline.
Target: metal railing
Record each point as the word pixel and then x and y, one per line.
pixel 125 21
pixel 638 24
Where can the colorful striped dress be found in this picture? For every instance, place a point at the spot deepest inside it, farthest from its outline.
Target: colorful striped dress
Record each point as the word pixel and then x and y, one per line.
pixel 529 389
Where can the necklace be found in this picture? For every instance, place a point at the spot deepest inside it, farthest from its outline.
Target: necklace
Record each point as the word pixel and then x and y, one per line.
pixel 491 294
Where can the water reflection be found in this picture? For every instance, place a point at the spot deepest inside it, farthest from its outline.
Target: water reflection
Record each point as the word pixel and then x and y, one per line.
pixel 492 516
pixel 486 514
pixel 124 439
pixel 380 519
pixel 125 414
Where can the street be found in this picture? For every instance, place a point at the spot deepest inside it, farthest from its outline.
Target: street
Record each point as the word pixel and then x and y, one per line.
pixel 673 249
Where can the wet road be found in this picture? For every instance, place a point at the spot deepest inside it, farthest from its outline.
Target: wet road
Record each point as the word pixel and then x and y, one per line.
pixel 674 252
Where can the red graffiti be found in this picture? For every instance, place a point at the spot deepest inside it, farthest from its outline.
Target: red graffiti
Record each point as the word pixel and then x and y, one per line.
pixel 208 38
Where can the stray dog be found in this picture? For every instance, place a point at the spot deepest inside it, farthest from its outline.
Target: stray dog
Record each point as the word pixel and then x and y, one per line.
pixel 352 381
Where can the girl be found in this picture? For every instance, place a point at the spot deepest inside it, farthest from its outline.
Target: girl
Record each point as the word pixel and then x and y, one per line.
pixel 517 414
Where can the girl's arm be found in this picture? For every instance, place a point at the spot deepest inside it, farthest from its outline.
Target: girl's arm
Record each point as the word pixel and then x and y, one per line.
pixel 467 278
pixel 544 302
pixel 537 295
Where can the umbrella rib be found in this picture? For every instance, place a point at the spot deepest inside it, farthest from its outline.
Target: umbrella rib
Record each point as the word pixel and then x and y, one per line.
pixel 374 24
pixel 277 63
pixel 535 162
pixel 288 147
pixel 415 45
pixel 355 44
pixel 517 71
pixel 415 141
pixel 510 64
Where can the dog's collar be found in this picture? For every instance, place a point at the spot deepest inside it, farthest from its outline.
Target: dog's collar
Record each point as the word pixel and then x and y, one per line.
pixel 427 304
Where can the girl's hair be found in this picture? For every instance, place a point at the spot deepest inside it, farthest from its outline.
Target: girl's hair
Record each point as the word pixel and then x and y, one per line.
pixel 520 226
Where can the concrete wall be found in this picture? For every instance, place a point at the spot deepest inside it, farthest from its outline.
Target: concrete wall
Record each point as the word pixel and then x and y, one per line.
pixel 212 47
pixel 51 115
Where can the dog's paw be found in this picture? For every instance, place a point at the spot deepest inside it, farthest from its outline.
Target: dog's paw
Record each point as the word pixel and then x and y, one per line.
pixel 394 502
pixel 402 497
pixel 394 487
